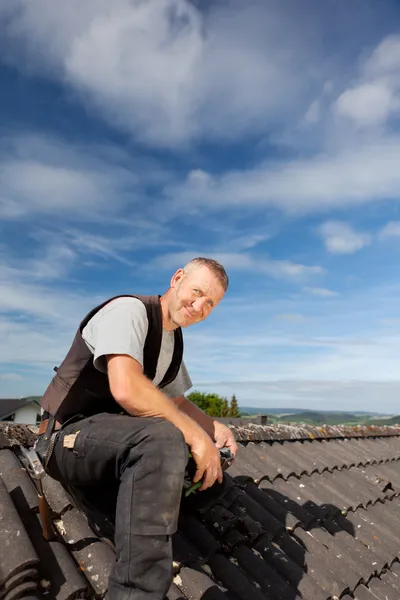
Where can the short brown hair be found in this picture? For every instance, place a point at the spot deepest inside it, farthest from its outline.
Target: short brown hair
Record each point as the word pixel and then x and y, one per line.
pixel 215 267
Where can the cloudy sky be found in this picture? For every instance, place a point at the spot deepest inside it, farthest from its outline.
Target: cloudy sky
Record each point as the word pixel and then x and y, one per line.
pixel 138 134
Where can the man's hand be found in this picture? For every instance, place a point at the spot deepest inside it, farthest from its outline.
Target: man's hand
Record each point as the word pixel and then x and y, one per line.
pixel 207 459
pixel 224 438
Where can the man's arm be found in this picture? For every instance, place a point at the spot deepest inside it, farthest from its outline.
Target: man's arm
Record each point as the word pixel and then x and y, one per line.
pixel 139 397
pixel 219 432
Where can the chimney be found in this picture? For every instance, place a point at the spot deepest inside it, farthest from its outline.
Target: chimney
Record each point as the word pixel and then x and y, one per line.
pixel 263 419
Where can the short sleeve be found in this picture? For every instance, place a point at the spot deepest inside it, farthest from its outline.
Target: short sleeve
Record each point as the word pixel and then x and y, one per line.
pixel 181 384
pixel 120 327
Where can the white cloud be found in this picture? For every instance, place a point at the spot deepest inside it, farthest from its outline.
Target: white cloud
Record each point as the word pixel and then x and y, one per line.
pixel 313 113
pixel 322 292
pixel 367 104
pixel 281 269
pixel 164 70
pixel 391 229
pixel 385 59
pixel 10 377
pixel 341 238
pixel 351 176
pixel 374 98
pixel 41 174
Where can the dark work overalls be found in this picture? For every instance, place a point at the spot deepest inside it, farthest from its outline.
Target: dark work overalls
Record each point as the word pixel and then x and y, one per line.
pixel 120 465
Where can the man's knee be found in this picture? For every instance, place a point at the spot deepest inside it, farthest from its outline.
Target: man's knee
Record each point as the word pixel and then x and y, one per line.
pixel 168 440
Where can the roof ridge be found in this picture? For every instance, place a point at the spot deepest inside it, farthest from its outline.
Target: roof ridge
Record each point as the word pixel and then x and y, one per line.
pixel 278 432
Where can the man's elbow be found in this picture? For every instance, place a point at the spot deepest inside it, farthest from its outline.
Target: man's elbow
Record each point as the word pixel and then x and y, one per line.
pixel 179 401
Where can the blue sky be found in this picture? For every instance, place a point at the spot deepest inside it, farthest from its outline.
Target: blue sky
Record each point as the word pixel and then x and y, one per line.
pixel 137 135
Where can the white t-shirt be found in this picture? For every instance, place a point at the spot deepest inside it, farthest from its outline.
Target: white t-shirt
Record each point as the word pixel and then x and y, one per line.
pixel 120 327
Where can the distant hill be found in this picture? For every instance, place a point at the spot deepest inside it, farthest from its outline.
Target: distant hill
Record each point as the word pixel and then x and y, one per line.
pixel 256 410
pixel 323 417
pixel 384 421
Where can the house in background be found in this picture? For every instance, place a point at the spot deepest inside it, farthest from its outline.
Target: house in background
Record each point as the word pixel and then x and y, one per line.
pixel 20 410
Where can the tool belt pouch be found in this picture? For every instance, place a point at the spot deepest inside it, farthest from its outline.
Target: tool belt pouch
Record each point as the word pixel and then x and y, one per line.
pixel 44 448
pixel 45 443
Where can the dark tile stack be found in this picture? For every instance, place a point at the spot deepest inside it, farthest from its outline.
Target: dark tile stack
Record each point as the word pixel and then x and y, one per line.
pixel 299 517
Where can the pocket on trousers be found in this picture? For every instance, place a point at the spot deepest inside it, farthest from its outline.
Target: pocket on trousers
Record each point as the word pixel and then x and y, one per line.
pixel 75 441
pixel 79 443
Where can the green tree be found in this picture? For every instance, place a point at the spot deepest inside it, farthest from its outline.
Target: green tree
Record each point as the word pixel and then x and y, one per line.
pixel 225 408
pixel 211 404
pixel 234 408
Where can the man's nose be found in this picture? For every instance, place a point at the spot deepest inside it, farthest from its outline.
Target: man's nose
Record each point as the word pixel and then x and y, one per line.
pixel 198 305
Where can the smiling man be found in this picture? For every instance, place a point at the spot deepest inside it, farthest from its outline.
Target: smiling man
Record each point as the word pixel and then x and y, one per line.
pixel 119 426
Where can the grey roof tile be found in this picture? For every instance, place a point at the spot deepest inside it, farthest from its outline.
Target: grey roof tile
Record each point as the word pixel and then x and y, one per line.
pixel 246 506
pixel 174 593
pixel 294 455
pixel 270 582
pixel 341 562
pixel 56 496
pixel 271 459
pixel 391 579
pixel 21 590
pixel 95 559
pixel 230 576
pixel 281 432
pixel 295 513
pixel 184 553
pixel 300 581
pixel 245 465
pixel 318 454
pixel 321 564
pixel 197 585
pixel 382 590
pixel 281 513
pixel 17 482
pixel 364 530
pixel 17 552
pixel 363 593
pixel 253 537
pixel 60 574
pixel 359 554
pixel 199 536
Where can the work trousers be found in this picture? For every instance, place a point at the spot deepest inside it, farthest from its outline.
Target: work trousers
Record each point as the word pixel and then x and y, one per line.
pixel 134 467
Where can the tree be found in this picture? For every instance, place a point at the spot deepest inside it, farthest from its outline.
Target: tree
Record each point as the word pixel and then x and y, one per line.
pixel 234 408
pixel 211 404
pixel 225 408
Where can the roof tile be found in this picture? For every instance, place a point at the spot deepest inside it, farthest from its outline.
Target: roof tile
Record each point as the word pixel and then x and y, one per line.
pixel 60 575
pixel 363 593
pixel 56 496
pixel 227 572
pixel 197 585
pixel 382 589
pixel 95 559
pixel 17 552
pixel 330 525
pixel 17 482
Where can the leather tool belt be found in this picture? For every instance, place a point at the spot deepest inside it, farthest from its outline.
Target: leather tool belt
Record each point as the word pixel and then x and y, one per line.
pixel 45 423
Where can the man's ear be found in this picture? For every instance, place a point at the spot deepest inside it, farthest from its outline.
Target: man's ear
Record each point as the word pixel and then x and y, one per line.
pixel 176 277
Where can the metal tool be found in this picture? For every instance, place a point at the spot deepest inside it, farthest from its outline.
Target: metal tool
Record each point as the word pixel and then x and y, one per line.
pixel 35 469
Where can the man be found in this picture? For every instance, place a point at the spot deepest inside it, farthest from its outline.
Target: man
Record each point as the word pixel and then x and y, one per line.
pixel 120 434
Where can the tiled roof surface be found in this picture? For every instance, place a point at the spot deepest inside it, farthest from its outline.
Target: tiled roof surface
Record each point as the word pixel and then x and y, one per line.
pixel 304 518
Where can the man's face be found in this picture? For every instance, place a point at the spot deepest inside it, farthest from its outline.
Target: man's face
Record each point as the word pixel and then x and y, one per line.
pixel 195 295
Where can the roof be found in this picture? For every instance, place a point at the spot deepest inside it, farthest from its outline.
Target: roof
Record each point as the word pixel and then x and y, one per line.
pixel 304 513
pixel 9 406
